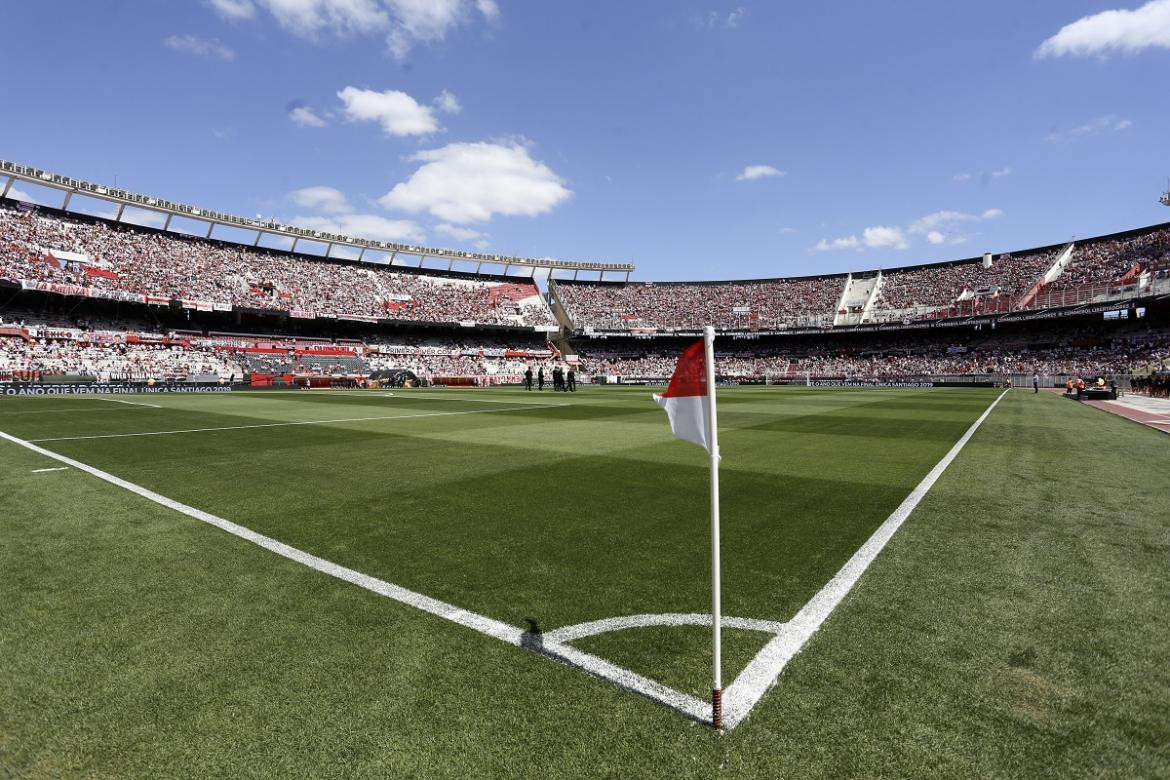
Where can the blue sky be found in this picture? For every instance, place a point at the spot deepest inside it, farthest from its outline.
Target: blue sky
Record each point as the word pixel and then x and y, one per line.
pixel 698 140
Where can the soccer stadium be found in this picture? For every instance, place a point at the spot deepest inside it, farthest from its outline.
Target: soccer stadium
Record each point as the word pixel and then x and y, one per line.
pixel 306 496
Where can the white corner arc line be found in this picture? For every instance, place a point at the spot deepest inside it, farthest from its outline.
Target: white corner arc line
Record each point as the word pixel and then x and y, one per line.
pixel 288 424
pixel 763 670
pixel 594 627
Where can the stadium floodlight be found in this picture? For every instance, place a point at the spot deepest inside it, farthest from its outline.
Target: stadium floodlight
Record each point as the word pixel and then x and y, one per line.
pixel 1165 199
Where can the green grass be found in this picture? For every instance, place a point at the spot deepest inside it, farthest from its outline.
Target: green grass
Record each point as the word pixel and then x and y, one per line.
pixel 1015 626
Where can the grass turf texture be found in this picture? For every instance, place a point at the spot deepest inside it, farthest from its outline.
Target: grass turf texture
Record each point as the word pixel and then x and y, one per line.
pixel 1014 627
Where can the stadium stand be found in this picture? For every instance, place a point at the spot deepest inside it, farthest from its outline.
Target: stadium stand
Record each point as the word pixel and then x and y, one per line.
pixel 1079 350
pixel 47 250
pixel 146 305
pixel 1121 266
pixel 36 348
pixel 755 305
pixel 941 290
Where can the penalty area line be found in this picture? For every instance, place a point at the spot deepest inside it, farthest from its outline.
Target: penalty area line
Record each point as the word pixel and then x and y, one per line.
pixel 763 670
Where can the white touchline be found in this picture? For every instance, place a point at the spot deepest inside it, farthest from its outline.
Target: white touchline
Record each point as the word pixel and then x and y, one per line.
pixel 42 471
pixel 287 424
pixel 739 698
pixel 763 670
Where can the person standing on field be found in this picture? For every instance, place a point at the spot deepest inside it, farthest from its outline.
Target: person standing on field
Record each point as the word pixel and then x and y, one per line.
pixel 528 377
pixel 540 378
pixel 1035 383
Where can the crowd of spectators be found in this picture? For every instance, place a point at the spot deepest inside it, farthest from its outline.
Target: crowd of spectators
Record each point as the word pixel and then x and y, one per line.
pixel 954 289
pixel 1087 357
pixel 38 246
pixel 777 304
pixel 34 347
pixel 1104 261
pixel 35 359
pixel 942 285
pixel 764 304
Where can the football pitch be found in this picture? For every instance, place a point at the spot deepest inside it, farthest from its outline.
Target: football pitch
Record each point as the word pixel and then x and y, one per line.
pixel 500 583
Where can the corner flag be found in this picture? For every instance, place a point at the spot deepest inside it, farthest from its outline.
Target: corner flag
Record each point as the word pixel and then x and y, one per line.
pixel 689 402
pixel 686 400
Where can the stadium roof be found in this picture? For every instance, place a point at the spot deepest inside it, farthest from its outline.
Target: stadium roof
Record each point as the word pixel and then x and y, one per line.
pixel 14 171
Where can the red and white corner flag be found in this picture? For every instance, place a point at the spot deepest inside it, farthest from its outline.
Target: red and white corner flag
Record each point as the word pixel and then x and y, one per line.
pixel 689 402
pixel 686 400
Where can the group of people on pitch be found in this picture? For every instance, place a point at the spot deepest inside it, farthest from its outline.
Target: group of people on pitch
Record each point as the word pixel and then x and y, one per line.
pixel 563 379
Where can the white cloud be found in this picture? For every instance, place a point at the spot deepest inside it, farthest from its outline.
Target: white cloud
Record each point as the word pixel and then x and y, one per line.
pixel 311 18
pixel 397 112
pixel 1128 31
pixel 369 226
pixel 931 227
pixel 882 236
pixel 939 218
pixel 305 117
pixel 403 23
pixel 327 199
pixel 785 230
pixel 1000 173
pixel 472 182
pixel 144 217
pixel 850 242
pixel 962 177
pixel 488 8
pixel 752 172
pixel 459 233
pixel 18 194
pixel 421 21
pixel 715 20
pixel 1104 124
pixel 233 10
pixel 447 103
pixel 208 48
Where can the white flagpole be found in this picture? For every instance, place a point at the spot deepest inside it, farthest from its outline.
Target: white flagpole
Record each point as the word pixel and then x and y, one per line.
pixel 716 608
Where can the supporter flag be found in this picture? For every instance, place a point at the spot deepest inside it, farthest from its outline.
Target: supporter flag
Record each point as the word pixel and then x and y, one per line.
pixel 689 402
pixel 686 400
